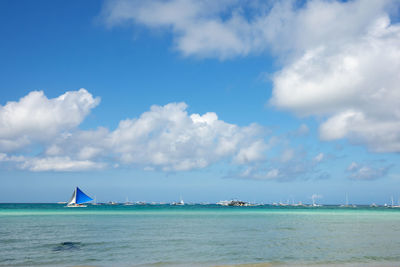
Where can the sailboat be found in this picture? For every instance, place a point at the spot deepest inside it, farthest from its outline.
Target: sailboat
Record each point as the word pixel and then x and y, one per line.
pixel 313 202
pixel 347 203
pixel 395 206
pixel 78 198
pixel 180 203
pixel 128 203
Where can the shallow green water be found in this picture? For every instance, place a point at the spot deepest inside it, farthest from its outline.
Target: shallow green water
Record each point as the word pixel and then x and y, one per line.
pixel 50 234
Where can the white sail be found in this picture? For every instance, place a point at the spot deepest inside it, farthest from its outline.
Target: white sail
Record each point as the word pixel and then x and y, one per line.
pixel 73 199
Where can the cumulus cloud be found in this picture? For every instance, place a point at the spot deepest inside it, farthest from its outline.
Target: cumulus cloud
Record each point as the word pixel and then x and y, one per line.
pixel 164 138
pixel 352 80
pixel 364 172
pixel 167 137
pixel 355 85
pixel 35 118
pixel 340 59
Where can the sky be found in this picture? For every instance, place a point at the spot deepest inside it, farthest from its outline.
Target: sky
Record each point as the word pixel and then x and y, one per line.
pixel 262 101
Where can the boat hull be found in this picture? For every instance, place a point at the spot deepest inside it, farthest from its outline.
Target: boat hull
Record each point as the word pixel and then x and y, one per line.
pixel 76 206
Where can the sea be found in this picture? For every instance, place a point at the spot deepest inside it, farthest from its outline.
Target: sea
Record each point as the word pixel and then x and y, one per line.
pixel 198 235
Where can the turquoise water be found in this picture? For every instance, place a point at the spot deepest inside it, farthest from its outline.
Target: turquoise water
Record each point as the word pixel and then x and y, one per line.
pixel 52 235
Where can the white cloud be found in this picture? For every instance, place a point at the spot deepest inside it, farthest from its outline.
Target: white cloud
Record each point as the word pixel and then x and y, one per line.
pixel 353 166
pixel 354 84
pixel 59 164
pixel 35 118
pixel 256 173
pixel 165 138
pixel 253 152
pixel 365 172
pixel 37 164
pixel 196 25
pixel 319 157
pixel 272 174
pixel 355 75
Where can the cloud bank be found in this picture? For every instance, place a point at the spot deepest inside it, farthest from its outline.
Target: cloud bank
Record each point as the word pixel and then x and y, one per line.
pixel 164 138
pixel 340 61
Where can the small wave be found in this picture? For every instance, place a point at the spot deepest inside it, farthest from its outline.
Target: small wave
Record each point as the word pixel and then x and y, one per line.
pixel 68 246
pixel 9 240
pixel 7 260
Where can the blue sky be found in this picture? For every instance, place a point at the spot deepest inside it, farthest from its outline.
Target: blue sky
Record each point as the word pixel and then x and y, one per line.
pixel 152 100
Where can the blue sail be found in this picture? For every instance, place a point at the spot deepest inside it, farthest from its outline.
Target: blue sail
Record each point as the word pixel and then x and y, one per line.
pixel 81 197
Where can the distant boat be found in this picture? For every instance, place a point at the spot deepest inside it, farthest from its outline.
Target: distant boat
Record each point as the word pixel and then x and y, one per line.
pixel 238 203
pixel 128 203
pixel 314 204
pixel 223 202
pixel 180 203
pixel 233 203
pixel 395 206
pixel 347 204
pixel 78 198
